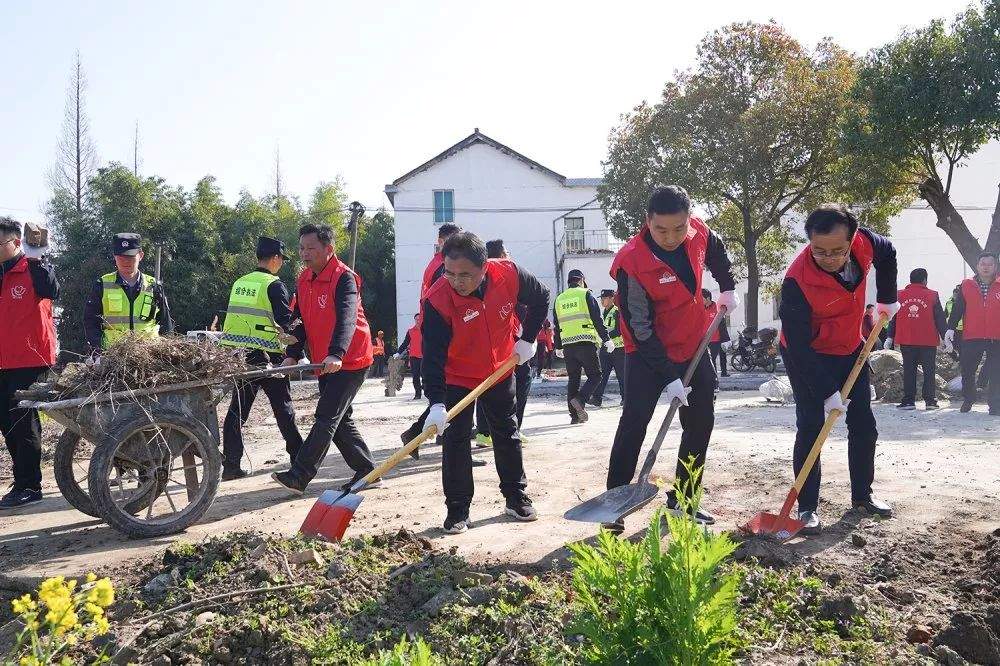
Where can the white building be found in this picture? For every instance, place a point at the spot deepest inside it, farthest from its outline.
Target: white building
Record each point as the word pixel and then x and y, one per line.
pixel 550 224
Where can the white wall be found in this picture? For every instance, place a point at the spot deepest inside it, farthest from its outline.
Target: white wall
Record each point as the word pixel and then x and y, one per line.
pixel 595 269
pixel 483 177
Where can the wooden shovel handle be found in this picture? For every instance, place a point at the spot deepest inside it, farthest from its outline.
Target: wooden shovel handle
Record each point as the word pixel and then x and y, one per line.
pixel 430 431
pixel 834 414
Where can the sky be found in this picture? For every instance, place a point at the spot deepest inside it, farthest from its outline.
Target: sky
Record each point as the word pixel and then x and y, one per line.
pixel 363 90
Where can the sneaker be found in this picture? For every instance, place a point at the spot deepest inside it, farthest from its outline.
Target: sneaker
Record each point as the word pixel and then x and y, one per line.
pixel 908 406
pixel 616 528
pixel 931 405
pixel 576 407
pixel 967 406
pixel 874 506
pixel 18 497
pixel 701 516
pixel 812 522
pixel 476 462
pixel 521 510
pixel 484 441
pixel 573 420
pixel 520 437
pixel 289 482
pixel 456 524
pixel 233 473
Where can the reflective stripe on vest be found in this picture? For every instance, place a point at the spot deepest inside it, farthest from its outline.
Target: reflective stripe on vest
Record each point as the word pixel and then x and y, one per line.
pixel 610 320
pixel 249 317
pixel 122 316
pixel 573 313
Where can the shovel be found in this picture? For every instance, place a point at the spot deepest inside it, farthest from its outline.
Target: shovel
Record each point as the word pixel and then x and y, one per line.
pixel 331 515
pixel 613 505
pixel 782 525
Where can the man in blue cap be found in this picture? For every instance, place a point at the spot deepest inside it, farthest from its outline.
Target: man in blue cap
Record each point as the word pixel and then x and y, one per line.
pixel 257 318
pixel 125 302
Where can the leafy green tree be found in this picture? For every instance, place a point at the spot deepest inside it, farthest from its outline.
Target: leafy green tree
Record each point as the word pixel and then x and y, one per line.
pixel 376 263
pixel 753 132
pixel 923 105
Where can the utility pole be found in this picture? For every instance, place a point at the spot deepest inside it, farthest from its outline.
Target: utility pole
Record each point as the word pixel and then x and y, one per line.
pixel 357 210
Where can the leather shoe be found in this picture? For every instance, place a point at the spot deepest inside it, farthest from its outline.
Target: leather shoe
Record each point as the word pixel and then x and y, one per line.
pixel 875 506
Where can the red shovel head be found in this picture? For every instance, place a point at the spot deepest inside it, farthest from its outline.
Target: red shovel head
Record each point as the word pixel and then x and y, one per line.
pixel 781 527
pixel 329 519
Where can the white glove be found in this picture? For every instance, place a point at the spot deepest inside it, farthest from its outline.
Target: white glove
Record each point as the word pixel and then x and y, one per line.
pixel 560 353
pixel 949 340
pixel 888 343
pixel 396 356
pixel 525 351
pixel 437 417
pixel 728 300
pixel 835 402
pixel 609 346
pixel 676 389
pixel 887 309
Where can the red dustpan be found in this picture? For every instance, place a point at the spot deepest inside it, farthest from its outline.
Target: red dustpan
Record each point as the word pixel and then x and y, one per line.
pixel 782 526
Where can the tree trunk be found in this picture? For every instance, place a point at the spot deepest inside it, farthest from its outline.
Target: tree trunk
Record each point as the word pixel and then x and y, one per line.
pixel 951 221
pixel 753 271
pixel 993 238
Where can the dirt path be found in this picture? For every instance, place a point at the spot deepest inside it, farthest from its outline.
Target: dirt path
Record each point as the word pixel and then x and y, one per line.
pixel 938 468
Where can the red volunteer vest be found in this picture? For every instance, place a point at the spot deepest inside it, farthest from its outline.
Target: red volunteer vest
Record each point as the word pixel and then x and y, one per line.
pixel 416 348
pixel 679 317
pixel 915 319
pixel 982 316
pixel 836 312
pixel 28 335
pixel 315 300
pixel 710 313
pixel 482 331
pixel 378 347
pixel 436 262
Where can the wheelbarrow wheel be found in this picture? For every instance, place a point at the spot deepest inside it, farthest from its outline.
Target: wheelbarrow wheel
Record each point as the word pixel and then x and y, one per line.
pixel 70 465
pixel 166 455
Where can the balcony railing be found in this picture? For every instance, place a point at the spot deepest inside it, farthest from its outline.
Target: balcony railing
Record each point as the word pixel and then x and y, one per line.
pixel 588 241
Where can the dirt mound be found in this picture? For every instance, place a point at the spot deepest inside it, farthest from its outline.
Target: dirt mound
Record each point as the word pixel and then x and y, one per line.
pixel 887 374
pixel 766 551
pixel 972 637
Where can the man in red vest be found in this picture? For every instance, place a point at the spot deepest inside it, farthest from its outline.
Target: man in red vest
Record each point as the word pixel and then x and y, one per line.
pixel 412 344
pixel 663 320
pixel 334 328
pixel 977 307
pixel 27 351
pixel 821 311
pixel 470 328
pixel 435 267
pixel 917 330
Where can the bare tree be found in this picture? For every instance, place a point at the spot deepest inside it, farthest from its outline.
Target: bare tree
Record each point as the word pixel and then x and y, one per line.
pixel 135 150
pixel 76 158
pixel 279 185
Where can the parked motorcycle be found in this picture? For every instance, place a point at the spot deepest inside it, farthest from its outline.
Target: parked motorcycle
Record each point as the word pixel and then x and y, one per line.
pixel 755 350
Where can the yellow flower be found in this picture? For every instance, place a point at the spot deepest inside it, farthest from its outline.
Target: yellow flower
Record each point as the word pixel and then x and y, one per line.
pixel 30 661
pixel 102 625
pixel 103 593
pixel 93 609
pixel 91 577
pixel 23 605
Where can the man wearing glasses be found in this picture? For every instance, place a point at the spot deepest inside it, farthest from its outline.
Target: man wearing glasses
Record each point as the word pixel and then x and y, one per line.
pixel 821 311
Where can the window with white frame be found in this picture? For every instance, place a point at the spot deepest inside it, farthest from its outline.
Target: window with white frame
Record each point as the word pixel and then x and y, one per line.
pixel 573 241
pixel 444 206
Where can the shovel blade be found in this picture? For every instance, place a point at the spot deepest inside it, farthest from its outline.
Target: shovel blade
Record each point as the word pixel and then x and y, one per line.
pixel 781 527
pixel 614 504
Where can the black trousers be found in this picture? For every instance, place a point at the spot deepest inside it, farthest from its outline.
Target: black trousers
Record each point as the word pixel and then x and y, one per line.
pixel 643 387
pixel 613 361
pixel 862 433
pixel 718 357
pixel 522 386
pixel 499 408
pixel 279 393
pixel 334 422
pixel 581 357
pixel 969 357
pixel 415 363
pixel 926 358
pixel 22 428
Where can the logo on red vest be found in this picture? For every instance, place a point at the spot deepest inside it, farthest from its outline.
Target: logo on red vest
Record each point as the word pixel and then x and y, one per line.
pixel 914 310
pixel 506 310
pixel 322 301
pixel 17 292
pixel 667 278
pixel 470 314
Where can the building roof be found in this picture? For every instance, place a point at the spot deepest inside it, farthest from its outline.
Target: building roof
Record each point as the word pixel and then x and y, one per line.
pixel 479 137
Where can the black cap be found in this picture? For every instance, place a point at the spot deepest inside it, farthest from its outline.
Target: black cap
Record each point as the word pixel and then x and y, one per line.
pixel 268 247
pixel 610 293
pixel 127 245
pixel 576 274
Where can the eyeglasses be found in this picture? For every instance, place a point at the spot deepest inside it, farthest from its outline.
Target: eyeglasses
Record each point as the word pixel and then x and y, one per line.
pixel 9 240
pixel 833 254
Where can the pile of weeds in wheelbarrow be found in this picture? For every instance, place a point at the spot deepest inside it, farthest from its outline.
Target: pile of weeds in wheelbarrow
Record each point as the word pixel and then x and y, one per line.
pixel 134 363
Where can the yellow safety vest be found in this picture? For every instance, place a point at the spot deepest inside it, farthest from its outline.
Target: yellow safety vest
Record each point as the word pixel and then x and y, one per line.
pixel 610 321
pixel 122 316
pixel 575 324
pixel 249 317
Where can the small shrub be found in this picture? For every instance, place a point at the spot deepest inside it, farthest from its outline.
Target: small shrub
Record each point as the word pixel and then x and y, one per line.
pixel 405 653
pixel 645 604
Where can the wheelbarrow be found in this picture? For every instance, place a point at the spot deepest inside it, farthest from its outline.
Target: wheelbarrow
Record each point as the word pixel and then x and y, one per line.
pixel 147 462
